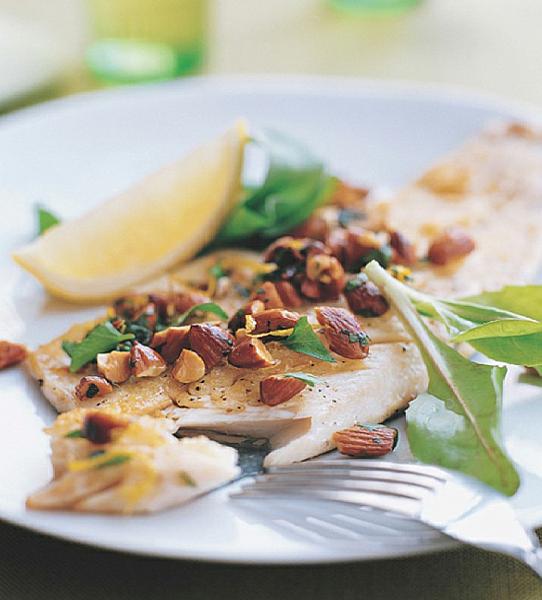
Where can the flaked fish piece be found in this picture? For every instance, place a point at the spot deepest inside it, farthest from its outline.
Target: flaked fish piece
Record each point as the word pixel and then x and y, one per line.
pixel 491 188
pixel 141 468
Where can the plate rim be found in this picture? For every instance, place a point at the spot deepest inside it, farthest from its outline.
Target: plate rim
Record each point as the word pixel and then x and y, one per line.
pixel 321 85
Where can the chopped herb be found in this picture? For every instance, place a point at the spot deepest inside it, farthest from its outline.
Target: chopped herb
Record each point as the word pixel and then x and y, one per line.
pixel 92 390
pixel 217 271
pixel 46 219
pixel 310 380
pixel 185 479
pixel 382 256
pixel 355 282
pixel 241 290
pixel 305 341
pixel 103 338
pixel 116 459
pixel 96 453
pixel 205 307
pixel 358 338
pixel 76 433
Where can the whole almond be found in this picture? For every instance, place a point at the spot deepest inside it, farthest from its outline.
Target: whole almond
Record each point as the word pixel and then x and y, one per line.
pixel 364 298
pixel 404 252
pixel 343 332
pixel 452 244
pixel 11 353
pixel 366 441
pixel 211 342
pixel 277 389
pixel 250 353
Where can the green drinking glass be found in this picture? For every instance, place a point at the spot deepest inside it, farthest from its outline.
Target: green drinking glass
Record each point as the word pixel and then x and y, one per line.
pixel 146 40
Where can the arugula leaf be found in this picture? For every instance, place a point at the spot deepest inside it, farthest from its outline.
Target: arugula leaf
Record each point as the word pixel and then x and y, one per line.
pixel 103 338
pixel 310 380
pixel 304 340
pixel 521 299
pixel 296 183
pixel 456 424
pixel 46 219
pixel 206 307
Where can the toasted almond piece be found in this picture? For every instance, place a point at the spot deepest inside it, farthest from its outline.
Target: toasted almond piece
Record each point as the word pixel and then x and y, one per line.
pixel 250 353
pixel 364 298
pixel 182 301
pixel 99 424
pixel 288 294
pixel 328 273
pixel 343 332
pixel 446 180
pixel 238 319
pixel 211 342
pixel 315 227
pixel 451 244
pixel 189 367
pixel 11 353
pixel 277 389
pixel 146 362
pixel 114 366
pixel 267 293
pixel 92 386
pixel 367 441
pixel 346 195
pixel 404 252
pixel 274 319
pixel 169 342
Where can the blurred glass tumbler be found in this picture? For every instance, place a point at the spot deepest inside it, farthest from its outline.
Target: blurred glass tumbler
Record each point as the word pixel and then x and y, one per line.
pixel 146 40
pixel 372 6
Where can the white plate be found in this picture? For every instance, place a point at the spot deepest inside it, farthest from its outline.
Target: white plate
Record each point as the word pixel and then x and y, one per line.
pixel 72 153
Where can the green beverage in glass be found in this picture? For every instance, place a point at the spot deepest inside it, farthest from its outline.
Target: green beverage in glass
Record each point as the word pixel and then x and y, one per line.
pixel 372 6
pixel 146 40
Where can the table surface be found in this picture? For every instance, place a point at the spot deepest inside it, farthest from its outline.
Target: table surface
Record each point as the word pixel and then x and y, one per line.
pixel 489 45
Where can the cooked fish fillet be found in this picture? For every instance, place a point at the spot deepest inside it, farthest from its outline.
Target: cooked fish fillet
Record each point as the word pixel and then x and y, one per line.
pixel 491 187
pixel 144 469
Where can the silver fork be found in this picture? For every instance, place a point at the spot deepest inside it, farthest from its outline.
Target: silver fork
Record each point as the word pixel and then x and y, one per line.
pixel 456 505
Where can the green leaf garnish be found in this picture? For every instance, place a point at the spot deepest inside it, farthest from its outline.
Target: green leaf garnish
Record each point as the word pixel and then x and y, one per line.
pixel 217 271
pixel 310 380
pixel 456 424
pixel 205 307
pixel 305 341
pixel 103 338
pixel 46 219
pixel 296 183
pixel 117 459
pixel 76 433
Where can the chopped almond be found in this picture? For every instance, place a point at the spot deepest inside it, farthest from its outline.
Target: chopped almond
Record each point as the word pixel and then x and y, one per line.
pixel 146 362
pixel 11 353
pixel 114 366
pixel 169 342
pixel 364 297
pixel 288 294
pixel 238 319
pixel 211 342
pixel 343 332
pixel 267 293
pixel 273 320
pixel 452 244
pixel 91 386
pixel 366 441
pixel 277 389
pixel 328 273
pixel 182 301
pixel 404 252
pixel 315 227
pixel 250 353
pixel 189 367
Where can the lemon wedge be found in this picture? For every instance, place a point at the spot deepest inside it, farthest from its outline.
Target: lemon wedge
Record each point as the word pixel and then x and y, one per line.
pixel 158 222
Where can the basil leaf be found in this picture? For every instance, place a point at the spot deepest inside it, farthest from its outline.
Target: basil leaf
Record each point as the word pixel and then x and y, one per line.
pixel 103 338
pixel 456 424
pixel 46 219
pixel 310 380
pixel 305 341
pixel 206 307
pixel 296 183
